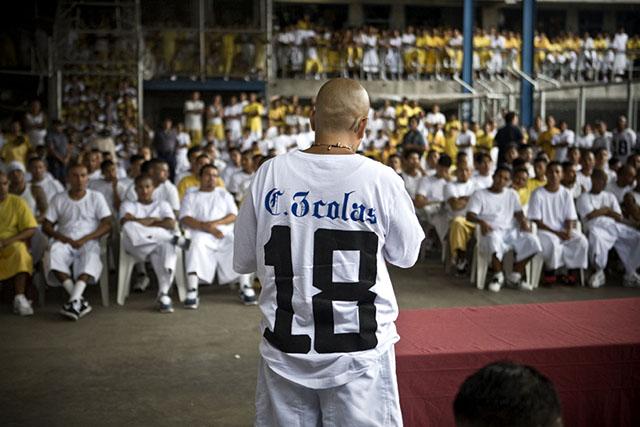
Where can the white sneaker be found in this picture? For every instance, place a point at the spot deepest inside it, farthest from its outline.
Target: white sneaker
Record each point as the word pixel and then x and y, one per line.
pixel 22 306
pixel 523 285
pixel 631 280
pixel 496 282
pixel 597 279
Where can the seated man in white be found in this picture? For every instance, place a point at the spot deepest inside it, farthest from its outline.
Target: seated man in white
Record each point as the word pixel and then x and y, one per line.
pixel 429 199
pixel 208 214
pixel 240 181
pixel 552 208
pixel 494 210
pixel 147 232
pixel 624 183
pixel 75 221
pixel 608 229
pixel 109 186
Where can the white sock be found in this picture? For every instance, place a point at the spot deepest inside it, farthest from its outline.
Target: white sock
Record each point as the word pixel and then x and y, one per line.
pixel 245 281
pixel 192 283
pixel 515 277
pixel 78 289
pixel 20 297
pixel 68 286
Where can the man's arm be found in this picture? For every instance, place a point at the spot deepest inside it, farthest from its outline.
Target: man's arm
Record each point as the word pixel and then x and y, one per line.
pixel 47 228
pixel 522 221
pixel 103 229
pixel 485 227
pixel 244 244
pixel 25 234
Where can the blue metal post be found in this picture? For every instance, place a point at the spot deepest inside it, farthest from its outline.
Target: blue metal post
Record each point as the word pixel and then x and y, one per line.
pixel 526 89
pixel 467 55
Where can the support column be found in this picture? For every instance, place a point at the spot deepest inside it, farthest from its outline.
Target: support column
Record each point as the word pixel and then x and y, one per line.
pixel 467 56
pixel 526 89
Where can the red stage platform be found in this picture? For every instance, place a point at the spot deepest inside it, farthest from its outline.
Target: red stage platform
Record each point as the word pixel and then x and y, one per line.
pixel 589 349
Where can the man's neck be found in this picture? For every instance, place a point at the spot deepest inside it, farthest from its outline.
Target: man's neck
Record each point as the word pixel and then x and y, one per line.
pixel 77 194
pixel 595 192
pixel 207 189
pixel 495 190
pixel 552 187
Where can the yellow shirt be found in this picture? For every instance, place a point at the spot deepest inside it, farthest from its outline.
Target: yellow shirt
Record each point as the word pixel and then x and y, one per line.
pixel 437 141
pixel 524 194
pixel 452 124
pixel 544 141
pixel 484 140
pixel 11 151
pixel 450 147
pixel 186 183
pixel 534 183
pixel 254 111
pixel 15 217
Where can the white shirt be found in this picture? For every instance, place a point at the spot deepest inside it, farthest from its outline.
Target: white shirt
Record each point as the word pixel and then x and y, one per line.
pixel 458 189
pixel 411 183
pixel 568 137
pixel 50 186
pixel 497 209
pixel 435 118
pixel 228 172
pixel 619 192
pixel 589 202
pixel 467 137
pixel 239 184
pixel 77 218
pixel 155 209
pixel 327 221
pixel 432 188
pixel 106 189
pixel 210 206
pixel 584 181
pixel 482 181
pixel 553 209
pixel 193 121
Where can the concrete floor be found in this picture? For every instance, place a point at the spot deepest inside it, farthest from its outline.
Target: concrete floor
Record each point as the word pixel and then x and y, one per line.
pixel 133 366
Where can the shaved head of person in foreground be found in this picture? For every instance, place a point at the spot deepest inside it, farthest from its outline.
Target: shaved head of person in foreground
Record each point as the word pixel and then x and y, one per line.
pixel 340 115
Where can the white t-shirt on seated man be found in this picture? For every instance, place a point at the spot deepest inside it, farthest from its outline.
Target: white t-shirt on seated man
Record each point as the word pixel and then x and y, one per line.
pixel 317 227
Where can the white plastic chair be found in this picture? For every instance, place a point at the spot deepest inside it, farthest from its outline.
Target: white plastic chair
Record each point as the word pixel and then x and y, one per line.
pixel 126 263
pixel 481 260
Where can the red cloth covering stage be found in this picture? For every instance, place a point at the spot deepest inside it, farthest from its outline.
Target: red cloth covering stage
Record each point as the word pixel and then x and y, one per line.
pixel 589 349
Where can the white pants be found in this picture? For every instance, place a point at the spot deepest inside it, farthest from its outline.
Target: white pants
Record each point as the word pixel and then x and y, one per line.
pixel 572 253
pixel 500 242
pixel 370 400
pixel 208 255
pixel 606 233
pixel 63 258
pixel 153 243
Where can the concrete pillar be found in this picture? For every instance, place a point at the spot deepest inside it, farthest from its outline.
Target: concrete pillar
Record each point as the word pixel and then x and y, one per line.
pixel 356 14
pixel 397 16
pixel 526 89
pixel 572 20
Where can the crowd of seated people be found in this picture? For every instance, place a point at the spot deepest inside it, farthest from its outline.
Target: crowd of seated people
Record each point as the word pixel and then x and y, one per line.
pixel 313 51
pixel 178 189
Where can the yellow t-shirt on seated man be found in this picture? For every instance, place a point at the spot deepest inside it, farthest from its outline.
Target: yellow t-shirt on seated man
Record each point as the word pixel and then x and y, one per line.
pixel 15 217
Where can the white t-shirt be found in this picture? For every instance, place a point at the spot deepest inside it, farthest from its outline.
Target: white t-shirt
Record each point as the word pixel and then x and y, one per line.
pixel 325 223
pixel 433 119
pixel 77 218
pixel 617 191
pixel 432 188
pixel 166 191
pixel 497 209
pixel 193 121
pixel 553 209
pixel 210 206
pixel 566 137
pixel 482 181
pixel 50 186
pixel 155 209
pixel 584 181
pixel 411 183
pixel 589 202
pixel 458 189
pixel 228 172
pixel 239 184
pixel 467 137
pixel 106 189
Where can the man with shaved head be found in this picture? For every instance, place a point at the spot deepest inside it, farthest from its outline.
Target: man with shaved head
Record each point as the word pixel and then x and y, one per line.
pixel 317 226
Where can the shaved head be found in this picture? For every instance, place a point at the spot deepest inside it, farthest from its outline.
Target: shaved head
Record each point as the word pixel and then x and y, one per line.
pixel 341 105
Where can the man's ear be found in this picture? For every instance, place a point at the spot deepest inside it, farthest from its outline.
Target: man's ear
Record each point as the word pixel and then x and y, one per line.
pixel 362 127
